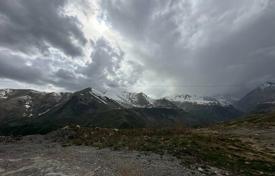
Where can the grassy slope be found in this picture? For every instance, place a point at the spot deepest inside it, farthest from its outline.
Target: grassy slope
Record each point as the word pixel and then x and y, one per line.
pixel 214 146
pixel 263 121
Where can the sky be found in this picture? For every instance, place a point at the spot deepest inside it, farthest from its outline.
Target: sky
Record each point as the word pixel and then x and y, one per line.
pixel 159 47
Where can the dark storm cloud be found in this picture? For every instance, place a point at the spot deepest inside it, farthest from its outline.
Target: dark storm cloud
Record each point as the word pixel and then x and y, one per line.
pixel 19 71
pixel 38 24
pixel 65 74
pixel 244 56
pixel 206 47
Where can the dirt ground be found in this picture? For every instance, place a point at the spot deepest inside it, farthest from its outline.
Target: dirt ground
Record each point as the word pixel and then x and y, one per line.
pixel 35 156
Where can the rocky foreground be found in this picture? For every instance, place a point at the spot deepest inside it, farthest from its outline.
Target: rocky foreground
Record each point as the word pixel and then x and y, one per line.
pixel 245 147
pixel 37 156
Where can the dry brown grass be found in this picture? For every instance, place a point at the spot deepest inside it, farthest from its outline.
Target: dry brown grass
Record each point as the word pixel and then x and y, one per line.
pixel 190 146
pixel 129 170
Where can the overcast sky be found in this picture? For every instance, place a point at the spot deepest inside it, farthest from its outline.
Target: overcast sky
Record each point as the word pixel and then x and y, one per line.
pixel 160 47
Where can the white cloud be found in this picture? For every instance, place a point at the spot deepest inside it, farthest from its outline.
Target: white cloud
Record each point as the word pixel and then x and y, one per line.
pixel 159 47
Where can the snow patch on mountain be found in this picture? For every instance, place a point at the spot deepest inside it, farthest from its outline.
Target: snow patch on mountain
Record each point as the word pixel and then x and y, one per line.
pixel 226 100
pixel 4 93
pixel 129 99
pixel 57 95
pixel 267 84
pixel 27 104
pixel 194 99
pixel 40 114
pixel 98 95
pixel 134 98
pixel 203 100
pixel 94 94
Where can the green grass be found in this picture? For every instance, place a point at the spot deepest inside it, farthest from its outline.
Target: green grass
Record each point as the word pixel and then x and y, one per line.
pixel 254 120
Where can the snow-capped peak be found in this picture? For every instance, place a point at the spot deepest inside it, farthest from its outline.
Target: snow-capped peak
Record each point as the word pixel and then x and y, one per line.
pixel 96 92
pixel 202 100
pixel 98 95
pixel 93 93
pixel 195 99
pixel 130 99
pixel 226 100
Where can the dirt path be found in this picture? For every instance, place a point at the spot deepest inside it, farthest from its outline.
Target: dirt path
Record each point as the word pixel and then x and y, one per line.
pixel 37 157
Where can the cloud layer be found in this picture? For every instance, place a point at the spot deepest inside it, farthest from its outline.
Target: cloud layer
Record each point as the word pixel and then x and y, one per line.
pixel 159 47
pixel 204 47
pixel 42 43
pixel 37 24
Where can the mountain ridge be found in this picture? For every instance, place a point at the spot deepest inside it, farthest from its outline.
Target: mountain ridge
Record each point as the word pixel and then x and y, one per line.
pixel 260 96
pixel 27 111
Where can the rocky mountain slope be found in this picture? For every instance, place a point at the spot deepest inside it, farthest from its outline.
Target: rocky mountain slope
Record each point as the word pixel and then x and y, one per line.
pixel 25 103
pixel 242 147
pixel 204 110
pixel 29 111
pixel 261 99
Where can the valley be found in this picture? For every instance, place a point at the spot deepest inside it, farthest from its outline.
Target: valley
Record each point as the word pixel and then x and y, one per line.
pixel 90 133
pixel 137 88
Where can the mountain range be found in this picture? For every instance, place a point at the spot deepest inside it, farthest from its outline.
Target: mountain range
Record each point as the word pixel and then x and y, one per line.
pixel 24 111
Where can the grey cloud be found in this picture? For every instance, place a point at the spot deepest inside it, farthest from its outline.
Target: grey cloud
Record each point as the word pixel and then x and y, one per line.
pixel 65 74
pixel 102 73
pixel 207 47
pixel 37 25
pixel 104 60
pixel 106 63
pixel 19 71
pixel 133 14
pixel 204 47
pixel 29 28
pixel 233 60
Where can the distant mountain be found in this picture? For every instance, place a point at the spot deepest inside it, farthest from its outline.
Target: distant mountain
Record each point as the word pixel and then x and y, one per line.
pixel 226 100
pixel 29 111
pixel 130 99
pixel 194 99
pixel 24 103
pixel 260 99
pixel 206 109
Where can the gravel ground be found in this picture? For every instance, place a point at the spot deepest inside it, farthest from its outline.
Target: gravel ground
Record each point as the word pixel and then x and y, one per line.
pixel 34 156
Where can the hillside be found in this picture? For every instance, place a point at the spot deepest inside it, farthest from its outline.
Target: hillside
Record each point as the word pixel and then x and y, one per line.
pixel 259 99
pixel 30 112
pixel 242 147
pixel 85 120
